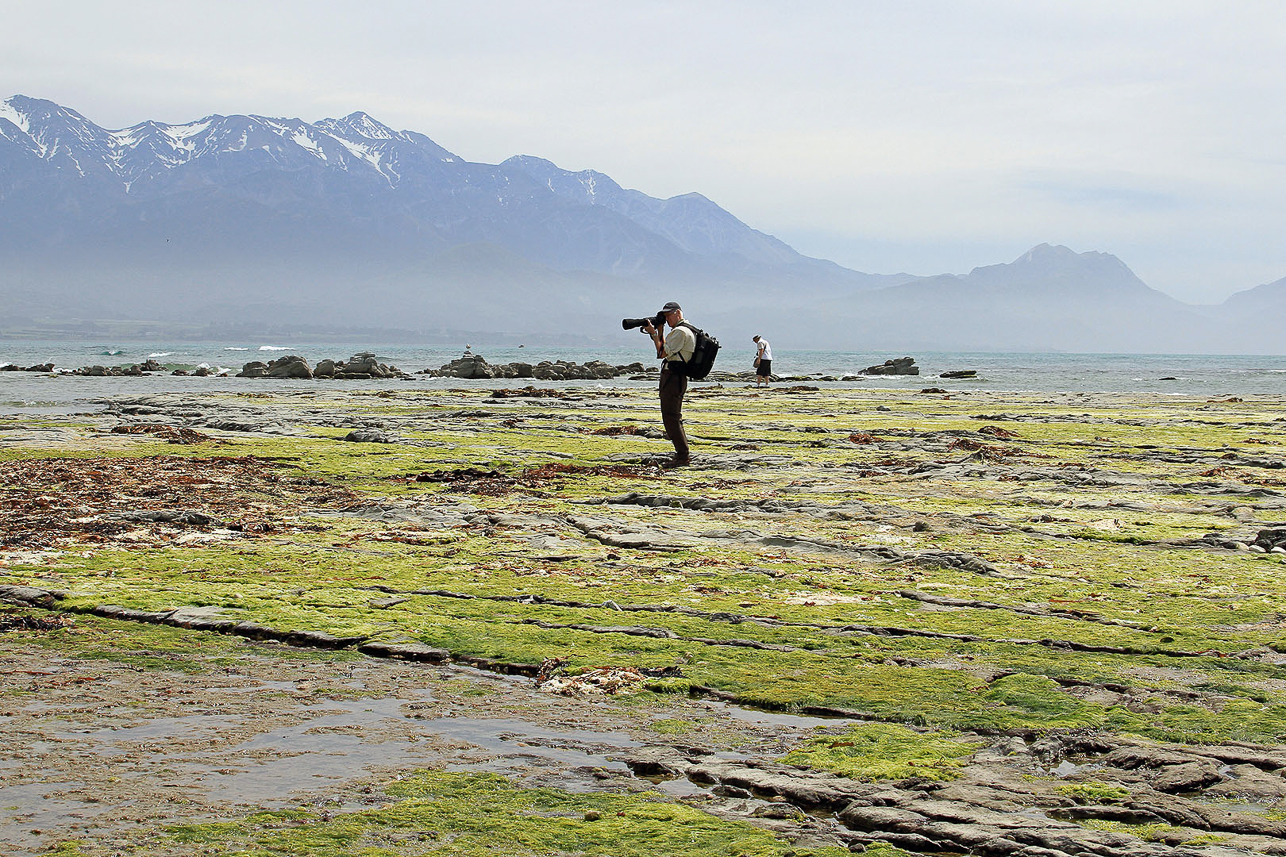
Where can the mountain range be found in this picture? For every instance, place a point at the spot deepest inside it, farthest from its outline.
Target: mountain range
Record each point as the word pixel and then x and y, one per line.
pixel 346 223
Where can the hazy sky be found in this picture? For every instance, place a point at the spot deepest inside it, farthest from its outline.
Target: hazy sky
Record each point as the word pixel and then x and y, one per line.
pixel 906 135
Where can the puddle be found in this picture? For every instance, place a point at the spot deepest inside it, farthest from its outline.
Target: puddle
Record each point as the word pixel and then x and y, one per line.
pixel 163 727
pixel 1067 769
pixel 521 741
pixel 309 755
pixel 25 809
pixel 329 748
pixel 259 686
pixel 777 718
pixel 216 759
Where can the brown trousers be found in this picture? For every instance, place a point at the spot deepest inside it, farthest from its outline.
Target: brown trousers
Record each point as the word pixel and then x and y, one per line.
pixel 674 384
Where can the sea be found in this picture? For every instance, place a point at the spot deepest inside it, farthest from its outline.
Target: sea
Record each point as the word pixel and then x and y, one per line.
pixel 1162 374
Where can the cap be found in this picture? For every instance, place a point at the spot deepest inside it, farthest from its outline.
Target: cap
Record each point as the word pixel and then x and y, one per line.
pixel 670 307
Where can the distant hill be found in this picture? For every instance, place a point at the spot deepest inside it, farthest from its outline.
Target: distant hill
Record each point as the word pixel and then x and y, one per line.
pixel 1050 298
pixel 253 219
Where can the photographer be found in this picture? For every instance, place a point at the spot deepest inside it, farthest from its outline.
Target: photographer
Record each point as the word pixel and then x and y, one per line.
pixel 676 348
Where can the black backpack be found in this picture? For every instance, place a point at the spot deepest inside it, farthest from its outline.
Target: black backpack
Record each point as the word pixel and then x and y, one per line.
pixel 707 348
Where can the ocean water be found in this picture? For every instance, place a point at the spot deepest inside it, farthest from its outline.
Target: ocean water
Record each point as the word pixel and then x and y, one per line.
pixel 1173 374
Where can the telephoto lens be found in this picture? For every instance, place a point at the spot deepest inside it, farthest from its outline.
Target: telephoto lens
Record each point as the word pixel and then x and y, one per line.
pixel 631 323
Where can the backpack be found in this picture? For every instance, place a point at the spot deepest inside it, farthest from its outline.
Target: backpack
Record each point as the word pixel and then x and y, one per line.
pixel 707 348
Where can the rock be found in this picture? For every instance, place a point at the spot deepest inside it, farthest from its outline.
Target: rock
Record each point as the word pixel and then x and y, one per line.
pixel 39 367
pixel 476 366
pixel 899 366
pixel 472 366
pixel 960 373
pixel 1250 783
pixel 1186 777
pixel 405 651
pixel 1123 814
pixel 1270 538
pixel 29 596
pixel 324 369
pixel 368 436
pixel 254 369
pixel 290 366
pixel 364 364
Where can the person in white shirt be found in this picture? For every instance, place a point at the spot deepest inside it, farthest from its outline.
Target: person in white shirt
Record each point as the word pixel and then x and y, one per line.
pixel 675 349
pixel 763 361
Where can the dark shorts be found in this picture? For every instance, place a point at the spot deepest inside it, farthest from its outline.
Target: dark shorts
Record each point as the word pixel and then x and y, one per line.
pixel 765 368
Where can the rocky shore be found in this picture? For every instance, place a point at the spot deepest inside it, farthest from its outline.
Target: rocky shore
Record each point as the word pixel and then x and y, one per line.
pixel 1021 625
pixel 365 366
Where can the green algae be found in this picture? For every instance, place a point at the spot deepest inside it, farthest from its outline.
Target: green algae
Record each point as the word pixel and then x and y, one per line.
pixel 1094 792
pixel 883 752
pixel 466 814
pixel 1062 584
pixel 1156 832
pixel 159 647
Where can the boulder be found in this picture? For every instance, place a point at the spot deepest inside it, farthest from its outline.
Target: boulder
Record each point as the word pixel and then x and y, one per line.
pixel 475 366
pixel 367 436
pixel 898 366
pixel 291 366
pixel 1270 538
pixel 254 369
pixel 472 366
pixel 364 364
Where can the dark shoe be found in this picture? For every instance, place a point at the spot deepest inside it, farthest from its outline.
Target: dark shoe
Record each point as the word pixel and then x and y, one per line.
pixel 677 462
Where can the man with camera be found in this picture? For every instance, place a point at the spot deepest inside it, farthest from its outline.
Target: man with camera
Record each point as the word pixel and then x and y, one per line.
pixel 675 349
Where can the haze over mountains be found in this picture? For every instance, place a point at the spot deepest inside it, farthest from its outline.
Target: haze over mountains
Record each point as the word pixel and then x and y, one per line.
pixel 248 221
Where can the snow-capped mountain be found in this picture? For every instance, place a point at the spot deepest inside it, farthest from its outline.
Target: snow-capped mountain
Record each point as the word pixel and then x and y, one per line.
pixel 69 142
pixel 348 222
pixel 359 169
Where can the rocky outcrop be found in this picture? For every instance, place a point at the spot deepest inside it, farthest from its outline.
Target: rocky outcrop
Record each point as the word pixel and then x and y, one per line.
pixel 898 366
pixel 360 366
pixel 40 367
pixel 1271 539
pixel 144 368
pixel 994 810
pixel 476 366
pixel 290 366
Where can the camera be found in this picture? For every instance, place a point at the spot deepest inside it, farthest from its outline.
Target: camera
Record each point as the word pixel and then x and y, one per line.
pixel 630 323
